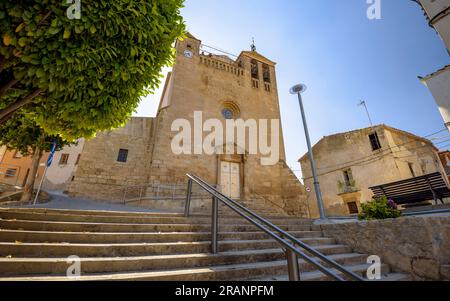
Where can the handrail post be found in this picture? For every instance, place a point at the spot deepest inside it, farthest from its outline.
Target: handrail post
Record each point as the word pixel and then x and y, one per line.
pixel 124 195
pixel 214 225
pixel 292 264
pixel 140 194
pixel 188 198
pixel 173 192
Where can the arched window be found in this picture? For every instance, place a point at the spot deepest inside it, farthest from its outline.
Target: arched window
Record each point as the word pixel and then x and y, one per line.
pixel 227 113
pixel 230 110
pixel 266 73
pixel 254 69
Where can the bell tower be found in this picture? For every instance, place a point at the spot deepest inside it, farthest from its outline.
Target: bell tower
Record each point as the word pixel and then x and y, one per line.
pixel 189 47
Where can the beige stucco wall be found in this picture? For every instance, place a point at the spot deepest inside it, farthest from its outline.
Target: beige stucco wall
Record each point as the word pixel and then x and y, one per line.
pixel 439 86
pixel 2 152
pixel 59 176
pixel 336 153
pixel 407 149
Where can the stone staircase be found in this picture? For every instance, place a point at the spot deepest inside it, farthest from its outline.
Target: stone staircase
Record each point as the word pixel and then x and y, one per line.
pixel 259 205
pixel 35 244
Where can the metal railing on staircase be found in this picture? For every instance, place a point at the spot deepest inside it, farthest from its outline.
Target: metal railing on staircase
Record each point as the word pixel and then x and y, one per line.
pixel 293 247
pixel 156 192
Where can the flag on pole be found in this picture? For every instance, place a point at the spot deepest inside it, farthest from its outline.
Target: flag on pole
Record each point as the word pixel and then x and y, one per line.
pixel 52 153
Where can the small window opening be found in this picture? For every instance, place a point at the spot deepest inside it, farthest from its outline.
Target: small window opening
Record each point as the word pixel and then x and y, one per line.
pixel 348 177
pixel 64 159
pixel 123 155
pixel 254 69
pixel 374 141
pixel 266 73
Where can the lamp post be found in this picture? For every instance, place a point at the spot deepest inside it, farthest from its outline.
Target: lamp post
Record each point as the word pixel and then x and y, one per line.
pixel 299 89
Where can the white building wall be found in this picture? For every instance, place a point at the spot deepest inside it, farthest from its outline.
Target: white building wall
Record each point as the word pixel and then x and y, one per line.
pixel 442 24
pixel 59 175
pixel 439 86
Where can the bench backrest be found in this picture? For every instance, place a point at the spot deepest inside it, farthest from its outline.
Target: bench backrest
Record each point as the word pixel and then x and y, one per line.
pixel 415 189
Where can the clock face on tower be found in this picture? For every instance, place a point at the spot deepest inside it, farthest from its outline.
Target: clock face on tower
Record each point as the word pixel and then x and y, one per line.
pixel 188 54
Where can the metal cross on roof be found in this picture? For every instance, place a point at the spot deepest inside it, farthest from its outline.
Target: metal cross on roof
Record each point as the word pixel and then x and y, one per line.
pixel 253 47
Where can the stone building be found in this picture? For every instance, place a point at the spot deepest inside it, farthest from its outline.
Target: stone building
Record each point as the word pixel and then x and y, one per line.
pixel 349 163
pixel 205 86
pixel 437 13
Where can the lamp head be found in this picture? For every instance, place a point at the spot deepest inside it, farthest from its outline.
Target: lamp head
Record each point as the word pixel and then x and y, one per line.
pixel 300 88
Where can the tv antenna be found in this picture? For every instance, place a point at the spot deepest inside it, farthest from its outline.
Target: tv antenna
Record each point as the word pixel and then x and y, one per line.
pixel 363 103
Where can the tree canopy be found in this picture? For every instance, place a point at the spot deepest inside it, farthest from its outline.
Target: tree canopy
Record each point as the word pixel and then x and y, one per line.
pixel 84 75
pixel 23 134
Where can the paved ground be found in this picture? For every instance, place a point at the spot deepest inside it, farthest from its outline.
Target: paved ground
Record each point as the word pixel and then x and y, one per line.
pixel 61 201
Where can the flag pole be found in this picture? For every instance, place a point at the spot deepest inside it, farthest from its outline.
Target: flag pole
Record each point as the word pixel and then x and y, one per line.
pixel 40 185
pixel 49 162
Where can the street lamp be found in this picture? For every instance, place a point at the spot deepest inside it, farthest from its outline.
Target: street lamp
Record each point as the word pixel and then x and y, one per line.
pixel 299 89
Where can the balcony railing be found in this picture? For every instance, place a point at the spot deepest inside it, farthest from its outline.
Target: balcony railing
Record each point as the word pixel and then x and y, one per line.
pixel 347 187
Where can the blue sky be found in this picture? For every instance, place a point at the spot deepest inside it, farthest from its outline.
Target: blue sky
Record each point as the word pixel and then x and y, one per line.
pixel 341 56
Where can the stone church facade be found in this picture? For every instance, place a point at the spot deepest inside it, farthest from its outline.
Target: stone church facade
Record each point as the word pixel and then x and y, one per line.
pixel 220 88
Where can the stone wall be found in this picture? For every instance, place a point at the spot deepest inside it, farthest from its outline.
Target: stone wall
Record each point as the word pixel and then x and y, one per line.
pixel 99 175
pixel 419 246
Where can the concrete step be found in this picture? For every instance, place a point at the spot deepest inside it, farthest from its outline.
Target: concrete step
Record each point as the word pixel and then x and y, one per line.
pixel 55 266
pixel 145 249
pixel 445 271
pixel 395 277
pixel 134 237
pixel 36 242
pixel 95 212
pixel 132 214
pixel 64 217
pixel 360 269
pixel 120 227
pixel 214 273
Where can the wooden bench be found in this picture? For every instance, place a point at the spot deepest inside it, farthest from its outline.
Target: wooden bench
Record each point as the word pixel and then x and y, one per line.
pixel 419 189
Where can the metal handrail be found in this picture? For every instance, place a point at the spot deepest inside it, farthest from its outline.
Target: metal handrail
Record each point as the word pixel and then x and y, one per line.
pixel 163 192
pixel 292 251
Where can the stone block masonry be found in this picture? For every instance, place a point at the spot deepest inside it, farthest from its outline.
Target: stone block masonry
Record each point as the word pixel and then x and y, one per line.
pixel 244 88
pixel 419 246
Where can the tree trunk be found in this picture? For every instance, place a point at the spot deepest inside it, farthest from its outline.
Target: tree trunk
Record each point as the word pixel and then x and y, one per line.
pixel 17 105
pixel 29 186
pixel 7 86
pixel 6 118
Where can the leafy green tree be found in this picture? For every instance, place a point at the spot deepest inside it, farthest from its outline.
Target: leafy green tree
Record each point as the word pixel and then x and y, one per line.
pixel 23 134
pixel 80 76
